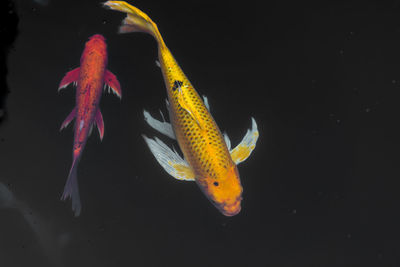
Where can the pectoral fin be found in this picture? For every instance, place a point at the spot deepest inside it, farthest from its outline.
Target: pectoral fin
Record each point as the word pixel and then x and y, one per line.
pixel 112 82
pixel 243 150
pixel 100 124
pixel 71 77
pixel 170 160
pixel 161 126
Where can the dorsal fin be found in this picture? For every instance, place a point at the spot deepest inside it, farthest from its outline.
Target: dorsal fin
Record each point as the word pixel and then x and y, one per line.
pixel 181 100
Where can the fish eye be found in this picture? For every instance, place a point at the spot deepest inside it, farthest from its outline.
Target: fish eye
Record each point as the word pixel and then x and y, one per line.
pixel 216 183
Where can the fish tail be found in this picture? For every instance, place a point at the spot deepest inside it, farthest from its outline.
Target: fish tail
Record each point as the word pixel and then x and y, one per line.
pixel 71 188
pixel 136 20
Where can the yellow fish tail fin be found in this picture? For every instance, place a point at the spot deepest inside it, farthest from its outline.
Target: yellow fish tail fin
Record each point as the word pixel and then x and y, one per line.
pixel 136 20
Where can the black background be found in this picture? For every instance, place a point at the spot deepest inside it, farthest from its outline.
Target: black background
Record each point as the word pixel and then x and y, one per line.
pixel 321 188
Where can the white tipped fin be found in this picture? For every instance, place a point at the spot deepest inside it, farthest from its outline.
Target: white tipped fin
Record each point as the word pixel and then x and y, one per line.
pixel 227 141
pixel 111 81
pixel 68 120
pixel 170 160
pixel 243 150
pixel 205 100
pixel 71 77
pixel 90 130
pixel 161 126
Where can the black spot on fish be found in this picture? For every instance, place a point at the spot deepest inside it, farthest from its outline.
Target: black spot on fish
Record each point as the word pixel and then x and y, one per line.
pixel 216 183
pixel 176 85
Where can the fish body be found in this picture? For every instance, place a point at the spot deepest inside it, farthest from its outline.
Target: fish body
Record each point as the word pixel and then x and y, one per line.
pixel 90 79
pixel 200 139
pixel 208 160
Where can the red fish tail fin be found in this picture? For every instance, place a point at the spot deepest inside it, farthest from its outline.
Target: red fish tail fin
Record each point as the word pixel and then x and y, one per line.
pixel 71 188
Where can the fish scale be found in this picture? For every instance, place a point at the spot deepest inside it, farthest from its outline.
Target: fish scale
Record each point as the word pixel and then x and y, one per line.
pixel 209 157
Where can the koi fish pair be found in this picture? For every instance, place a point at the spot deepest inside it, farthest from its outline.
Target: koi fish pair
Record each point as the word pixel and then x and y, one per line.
pixel 208 159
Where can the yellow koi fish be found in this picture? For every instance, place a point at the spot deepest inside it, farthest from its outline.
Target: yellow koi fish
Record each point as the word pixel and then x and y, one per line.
pixel 209 159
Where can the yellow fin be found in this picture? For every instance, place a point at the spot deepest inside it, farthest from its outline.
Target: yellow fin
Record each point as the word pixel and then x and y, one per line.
pixel 243 150
pixel 182 171
pixel 136 20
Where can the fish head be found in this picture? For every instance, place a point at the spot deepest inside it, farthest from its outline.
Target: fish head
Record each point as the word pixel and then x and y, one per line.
pixel 225 192
pixel 97 44
pixel 97 37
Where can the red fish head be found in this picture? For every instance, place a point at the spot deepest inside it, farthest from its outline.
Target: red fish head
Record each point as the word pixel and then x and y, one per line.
pixel 96 43
pixel 97 37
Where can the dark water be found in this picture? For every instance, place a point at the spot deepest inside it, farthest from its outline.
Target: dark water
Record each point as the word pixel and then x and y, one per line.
pixel 321 188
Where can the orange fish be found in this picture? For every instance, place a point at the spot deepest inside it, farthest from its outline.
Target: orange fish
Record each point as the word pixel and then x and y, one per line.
pixel 209 159
pixel 90 78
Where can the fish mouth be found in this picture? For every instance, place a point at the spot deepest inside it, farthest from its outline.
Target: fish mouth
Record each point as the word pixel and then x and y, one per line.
pixel 232 209
pixel 228 209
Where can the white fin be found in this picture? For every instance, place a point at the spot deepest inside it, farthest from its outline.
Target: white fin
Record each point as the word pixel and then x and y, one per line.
pixel 167 105
pixel 170 160
pixel 158 64
pixel 205 100
pixel 227 141
pixel 243 150
pixel 161 126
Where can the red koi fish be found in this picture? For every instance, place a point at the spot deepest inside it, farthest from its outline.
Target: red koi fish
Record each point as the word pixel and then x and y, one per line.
pixel 90 78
